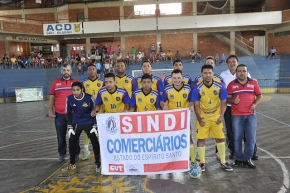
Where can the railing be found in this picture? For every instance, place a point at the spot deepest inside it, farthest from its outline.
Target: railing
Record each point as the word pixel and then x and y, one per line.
pixel 243 42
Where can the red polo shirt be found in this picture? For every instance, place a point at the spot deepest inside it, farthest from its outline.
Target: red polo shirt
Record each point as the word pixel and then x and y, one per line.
pixel 61 89
pixel 246 95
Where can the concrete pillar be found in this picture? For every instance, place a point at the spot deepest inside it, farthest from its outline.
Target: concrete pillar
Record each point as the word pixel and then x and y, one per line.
pixel 86 13
pixel 58 46
pixel 266 42
pixel 267 5
pixel 7 48
pixel 88 46
pixel 194 7
pixel 123 46
pixel 232 6
pixel 232 40
pixel 122 12
pixel 158 39
pixel 195 43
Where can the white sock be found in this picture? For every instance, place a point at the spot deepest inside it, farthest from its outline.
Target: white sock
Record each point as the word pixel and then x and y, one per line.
pixel 86 147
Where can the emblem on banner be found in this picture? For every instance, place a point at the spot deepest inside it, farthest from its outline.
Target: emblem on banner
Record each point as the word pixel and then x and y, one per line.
pixel 111 125
pixel 77 27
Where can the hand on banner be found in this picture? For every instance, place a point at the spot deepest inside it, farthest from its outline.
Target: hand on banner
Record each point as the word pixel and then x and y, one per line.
pixel 70 130
pixel 220 119
pixel 94 130
pixel 164 106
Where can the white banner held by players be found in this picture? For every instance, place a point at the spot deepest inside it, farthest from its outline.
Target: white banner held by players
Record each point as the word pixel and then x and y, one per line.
pixel 145 142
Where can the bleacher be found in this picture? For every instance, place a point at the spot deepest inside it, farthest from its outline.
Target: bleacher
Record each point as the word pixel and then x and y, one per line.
pixel 272 74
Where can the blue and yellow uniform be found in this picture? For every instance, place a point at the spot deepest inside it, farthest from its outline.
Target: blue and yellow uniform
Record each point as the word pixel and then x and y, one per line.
pixel 216 78
pixel 145 102
pixel 113 102
pixel 210 106
pixel 92 87
pixel 177 99
pixel 127 82
pixel 186 80
pixel 157 84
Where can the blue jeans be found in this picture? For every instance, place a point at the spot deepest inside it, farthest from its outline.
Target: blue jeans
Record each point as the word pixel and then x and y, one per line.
pixel 61 128
pixel 244 127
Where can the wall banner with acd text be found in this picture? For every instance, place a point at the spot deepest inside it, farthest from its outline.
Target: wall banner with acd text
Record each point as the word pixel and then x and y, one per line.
pixel 143 143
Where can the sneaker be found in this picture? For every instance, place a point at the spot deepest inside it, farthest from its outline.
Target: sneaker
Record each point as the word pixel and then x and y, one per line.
pixel 98 167
pixel 202 166
pixel 217 156
pixel 232 156
pixel 255 156
pixel 61 159
pixel 226 167
pixel 69 167
pixel 85 155
pixel 237 163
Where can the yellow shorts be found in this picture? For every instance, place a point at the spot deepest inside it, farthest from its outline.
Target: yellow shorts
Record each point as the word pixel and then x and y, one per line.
pixel 211 129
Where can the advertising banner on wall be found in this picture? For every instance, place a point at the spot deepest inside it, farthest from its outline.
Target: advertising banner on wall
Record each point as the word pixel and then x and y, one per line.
pixel 28 94
pixel 62 29
pixel 143 143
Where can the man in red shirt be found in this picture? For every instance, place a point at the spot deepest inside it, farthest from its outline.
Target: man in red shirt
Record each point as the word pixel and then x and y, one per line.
pixel 60 89
pixel 244 94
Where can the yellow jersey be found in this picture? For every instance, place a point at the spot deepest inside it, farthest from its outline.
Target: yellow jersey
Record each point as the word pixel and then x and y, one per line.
pixel 92 87
pixel 177 99
pixel 113 102
pixel 145 102
pixel 210 98
pixel 127 82
pixel 157 84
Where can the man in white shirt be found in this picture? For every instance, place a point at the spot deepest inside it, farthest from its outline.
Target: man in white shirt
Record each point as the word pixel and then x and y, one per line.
pixel 228 76
pixel 272 52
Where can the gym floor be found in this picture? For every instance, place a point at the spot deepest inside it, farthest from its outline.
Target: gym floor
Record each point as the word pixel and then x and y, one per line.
pixel 29 158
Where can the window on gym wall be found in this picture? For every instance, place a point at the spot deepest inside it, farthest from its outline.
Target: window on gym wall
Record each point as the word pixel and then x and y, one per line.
pixel 170 8
pixel 144 9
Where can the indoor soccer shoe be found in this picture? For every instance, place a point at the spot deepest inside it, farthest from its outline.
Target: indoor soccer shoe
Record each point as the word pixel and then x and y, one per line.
pixel 202 166
pixel 98 167
pixel 226 167
pixel 69 167
pixel 194 171
pixel 85 155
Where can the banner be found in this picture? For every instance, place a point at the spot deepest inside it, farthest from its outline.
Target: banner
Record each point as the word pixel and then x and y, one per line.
pixel 143 143
pixel 28 94
pixel 62 29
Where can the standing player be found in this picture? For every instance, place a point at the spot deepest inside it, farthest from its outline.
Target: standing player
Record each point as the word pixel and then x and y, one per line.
pixel 145 99
pixel 209 105
pixel 157 84
pixel 60 89
pixel 91 86
pixel 124 80
pixel 178 96
pixel 78 108
pixel 177 64
pixel 114 99
pixel 244 95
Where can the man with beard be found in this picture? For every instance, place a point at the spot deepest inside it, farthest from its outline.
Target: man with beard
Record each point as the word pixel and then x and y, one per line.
pixel 59 91
pixel 244 95
pixel 124 80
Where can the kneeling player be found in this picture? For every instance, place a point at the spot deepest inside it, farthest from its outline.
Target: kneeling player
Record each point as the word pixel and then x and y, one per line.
pixel 78 108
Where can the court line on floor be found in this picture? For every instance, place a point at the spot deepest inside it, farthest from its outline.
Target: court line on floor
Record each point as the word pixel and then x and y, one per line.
pixel 39 139
pixel 21 122
pixel 274 119
pixel 285 171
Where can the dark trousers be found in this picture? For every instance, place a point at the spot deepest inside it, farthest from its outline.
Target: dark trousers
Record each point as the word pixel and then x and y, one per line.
pixel 230 133
pixel 74 138
pixel 61 128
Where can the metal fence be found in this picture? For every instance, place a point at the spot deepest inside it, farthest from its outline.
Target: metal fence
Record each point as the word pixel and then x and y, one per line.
pixel 274 85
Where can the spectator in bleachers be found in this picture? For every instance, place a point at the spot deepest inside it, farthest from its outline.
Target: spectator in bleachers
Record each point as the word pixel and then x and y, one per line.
pixel 72 53
pixel 79 69
pixel 30 62
pixel 128 58
pixel 157 57
pixel 13 62
pixel 217 58
pixel 177 55
pixel 48 62
pixel 223 59
pixel 54 61
pixel 5 61
pixel 169 55
pixel 93 53
pixel 141 48
pixel 160 48
pixel 107 67
pixel 192 55
pixel 139 58
pixel 36 62
pixel 162 56
pixel 19 62
pixel 83 60
pixel 198 56
pixel 152 57
pixel 100 51
pixel 77 59
pixel 24 62
pixel 59 62
pixel 84 53
pixel 119 55
pixel 153 48
pixel 42 63
pixel 1 63
pixel 133 52
pixel 111 53
pixel 272 53
pixel 99 68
